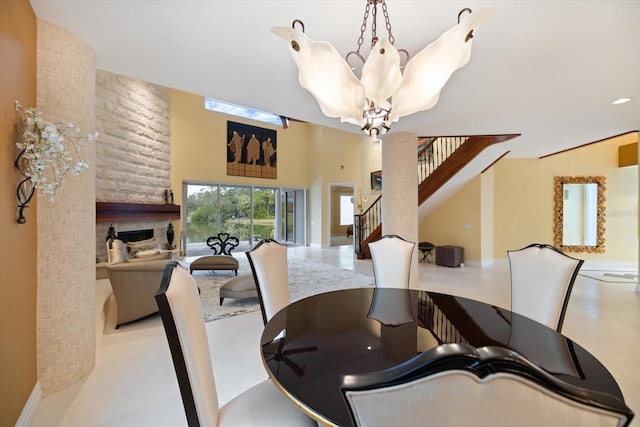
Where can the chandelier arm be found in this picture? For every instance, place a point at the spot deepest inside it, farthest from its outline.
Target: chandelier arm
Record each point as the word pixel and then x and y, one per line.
pixel 406 59
pixel 356 53
pixel 466 9
pixel 297 21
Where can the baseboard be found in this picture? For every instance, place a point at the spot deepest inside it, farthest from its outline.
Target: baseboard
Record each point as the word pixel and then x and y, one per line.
pixel 609 265
pixel 30 408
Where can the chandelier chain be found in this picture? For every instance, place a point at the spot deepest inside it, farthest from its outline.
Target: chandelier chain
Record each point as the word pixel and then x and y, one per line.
pixel 374 24
pixel 363 27
pixel 387 22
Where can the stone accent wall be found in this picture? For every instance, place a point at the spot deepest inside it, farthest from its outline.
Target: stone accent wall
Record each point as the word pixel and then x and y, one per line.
pixel 133 164
pixel 66 227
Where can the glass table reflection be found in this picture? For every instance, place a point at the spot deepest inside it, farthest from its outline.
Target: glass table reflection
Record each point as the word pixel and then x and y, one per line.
pixel 310 344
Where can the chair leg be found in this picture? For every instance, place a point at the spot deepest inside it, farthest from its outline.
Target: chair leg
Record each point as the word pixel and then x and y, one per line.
pixel 221 299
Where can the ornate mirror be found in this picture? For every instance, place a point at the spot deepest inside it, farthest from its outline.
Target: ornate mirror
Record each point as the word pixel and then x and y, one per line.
pixel 579 213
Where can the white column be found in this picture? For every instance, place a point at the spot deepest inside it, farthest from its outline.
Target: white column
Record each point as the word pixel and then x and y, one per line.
pixel 400 191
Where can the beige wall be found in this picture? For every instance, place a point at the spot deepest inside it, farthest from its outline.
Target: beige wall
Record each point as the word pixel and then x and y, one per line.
pixel 517 196
pixel 457 222
pixel 524 209
pixel 309 156
pixel 18 244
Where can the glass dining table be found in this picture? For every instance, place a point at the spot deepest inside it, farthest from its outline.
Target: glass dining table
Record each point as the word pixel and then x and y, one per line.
pixel 309 345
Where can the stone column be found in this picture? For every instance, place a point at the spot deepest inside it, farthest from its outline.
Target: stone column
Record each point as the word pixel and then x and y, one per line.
pixel 66 227
pixel 400 191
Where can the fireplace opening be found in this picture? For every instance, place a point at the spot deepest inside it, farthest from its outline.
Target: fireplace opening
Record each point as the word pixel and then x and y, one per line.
pixel 135 235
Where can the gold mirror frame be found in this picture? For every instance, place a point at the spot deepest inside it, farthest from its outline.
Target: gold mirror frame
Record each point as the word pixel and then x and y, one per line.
pixel 559 199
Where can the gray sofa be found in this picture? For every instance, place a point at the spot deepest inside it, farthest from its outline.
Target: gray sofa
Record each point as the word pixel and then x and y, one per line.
pixel 134 279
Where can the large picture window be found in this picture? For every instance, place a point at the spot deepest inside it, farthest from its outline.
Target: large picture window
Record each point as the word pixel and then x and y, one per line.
pixel 249 213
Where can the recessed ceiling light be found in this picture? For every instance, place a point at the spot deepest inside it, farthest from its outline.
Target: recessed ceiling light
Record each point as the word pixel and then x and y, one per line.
pixel 621 101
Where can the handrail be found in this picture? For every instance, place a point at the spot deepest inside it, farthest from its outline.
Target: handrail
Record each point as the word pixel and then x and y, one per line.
pixel 365 223
pixel 435 151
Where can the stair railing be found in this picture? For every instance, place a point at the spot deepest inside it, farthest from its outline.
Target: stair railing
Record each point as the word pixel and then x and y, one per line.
pixel 434 151
pixel 365 222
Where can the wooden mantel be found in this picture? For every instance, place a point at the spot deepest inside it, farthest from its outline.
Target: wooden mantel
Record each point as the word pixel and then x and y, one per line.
pixel 120 212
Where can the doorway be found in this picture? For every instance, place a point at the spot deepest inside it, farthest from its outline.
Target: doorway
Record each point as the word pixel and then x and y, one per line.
pixel 341 214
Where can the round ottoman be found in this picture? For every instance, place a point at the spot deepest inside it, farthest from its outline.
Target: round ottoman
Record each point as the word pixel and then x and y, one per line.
pixel 239 287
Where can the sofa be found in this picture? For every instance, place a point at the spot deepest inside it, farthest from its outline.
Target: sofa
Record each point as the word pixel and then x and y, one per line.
pixel 135 271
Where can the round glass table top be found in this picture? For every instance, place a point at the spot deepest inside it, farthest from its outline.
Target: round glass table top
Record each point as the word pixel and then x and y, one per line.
pixel 310 344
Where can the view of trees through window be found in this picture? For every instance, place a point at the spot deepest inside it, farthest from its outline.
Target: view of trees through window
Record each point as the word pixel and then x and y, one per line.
pixel 248 213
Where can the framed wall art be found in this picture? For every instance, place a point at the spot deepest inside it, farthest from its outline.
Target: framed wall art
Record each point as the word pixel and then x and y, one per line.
pixel 251 151
pixel 376 180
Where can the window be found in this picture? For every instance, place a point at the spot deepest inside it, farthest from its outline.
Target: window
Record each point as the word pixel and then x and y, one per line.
pixel 346 210
pixel 240 111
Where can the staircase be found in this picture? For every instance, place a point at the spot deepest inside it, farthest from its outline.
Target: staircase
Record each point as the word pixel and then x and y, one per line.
pixel 439 159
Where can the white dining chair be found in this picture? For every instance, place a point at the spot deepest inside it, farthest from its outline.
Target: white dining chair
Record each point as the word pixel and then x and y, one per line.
pixel 458 385
pixel 181 311
pixel 268 261
pixel 391 257
pixel 542 278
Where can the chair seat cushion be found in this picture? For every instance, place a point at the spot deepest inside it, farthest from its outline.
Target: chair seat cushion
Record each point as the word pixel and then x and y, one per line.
pixel 262 405
pixel 215 262
pixel 243 286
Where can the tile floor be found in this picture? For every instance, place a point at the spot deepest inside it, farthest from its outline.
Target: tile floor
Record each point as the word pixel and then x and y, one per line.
pixel 133 383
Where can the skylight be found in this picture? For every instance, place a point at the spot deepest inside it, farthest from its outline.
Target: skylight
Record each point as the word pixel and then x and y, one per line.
pixel 240 111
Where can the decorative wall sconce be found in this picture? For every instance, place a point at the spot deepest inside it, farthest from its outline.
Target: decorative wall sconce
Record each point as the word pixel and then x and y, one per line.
pixel 49 151
pixel 25 189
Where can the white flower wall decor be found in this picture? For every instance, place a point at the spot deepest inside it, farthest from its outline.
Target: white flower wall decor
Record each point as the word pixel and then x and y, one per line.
pixel 49 151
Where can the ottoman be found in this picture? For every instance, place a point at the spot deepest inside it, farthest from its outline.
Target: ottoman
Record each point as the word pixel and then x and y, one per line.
pixel 449 256
pixel 239 287
pixel 215 262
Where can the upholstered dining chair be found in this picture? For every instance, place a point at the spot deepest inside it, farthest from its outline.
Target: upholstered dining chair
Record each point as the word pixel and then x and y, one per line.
pixel 456 384
pixel 391 257
pixel 542 278
pixel 181 311
pixel 268 261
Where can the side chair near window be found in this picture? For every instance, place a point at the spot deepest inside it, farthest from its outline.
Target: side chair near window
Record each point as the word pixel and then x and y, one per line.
pixel 391 258
pixel 542 278
pixel 458 385
pixel 181 311
pixel 268 260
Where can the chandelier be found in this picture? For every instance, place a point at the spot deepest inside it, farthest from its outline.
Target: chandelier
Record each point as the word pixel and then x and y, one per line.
pixel 390 87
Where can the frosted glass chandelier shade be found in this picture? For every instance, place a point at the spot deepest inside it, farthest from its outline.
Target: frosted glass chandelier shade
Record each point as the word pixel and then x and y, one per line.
pixel 384 93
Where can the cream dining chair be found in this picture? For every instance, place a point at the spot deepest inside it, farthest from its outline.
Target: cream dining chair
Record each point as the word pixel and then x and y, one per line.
pixel 542 278
pixel 268 260
pixel 391 257
pixel 181 311
pixel 458 385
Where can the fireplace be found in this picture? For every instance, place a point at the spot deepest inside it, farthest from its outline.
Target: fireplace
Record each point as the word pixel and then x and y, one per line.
pixel 135 235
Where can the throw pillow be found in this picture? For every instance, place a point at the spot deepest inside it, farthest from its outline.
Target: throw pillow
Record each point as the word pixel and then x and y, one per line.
pixel 142 245
pixel 147 253
pixel 117 252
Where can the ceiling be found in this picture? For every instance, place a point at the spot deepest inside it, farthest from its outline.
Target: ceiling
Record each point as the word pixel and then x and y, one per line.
pixel 546 70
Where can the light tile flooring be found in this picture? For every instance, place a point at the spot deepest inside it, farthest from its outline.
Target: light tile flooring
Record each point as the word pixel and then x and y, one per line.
pixel 133 383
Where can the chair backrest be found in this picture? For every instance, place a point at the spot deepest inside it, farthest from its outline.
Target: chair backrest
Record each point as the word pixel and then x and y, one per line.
pixel 454 385
pixel 542 278
pixel 391 257
pixel 268 260
pixel 179 304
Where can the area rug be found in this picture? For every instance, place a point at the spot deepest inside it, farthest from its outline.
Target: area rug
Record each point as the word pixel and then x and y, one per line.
pixel 306 278
pixel 611 276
